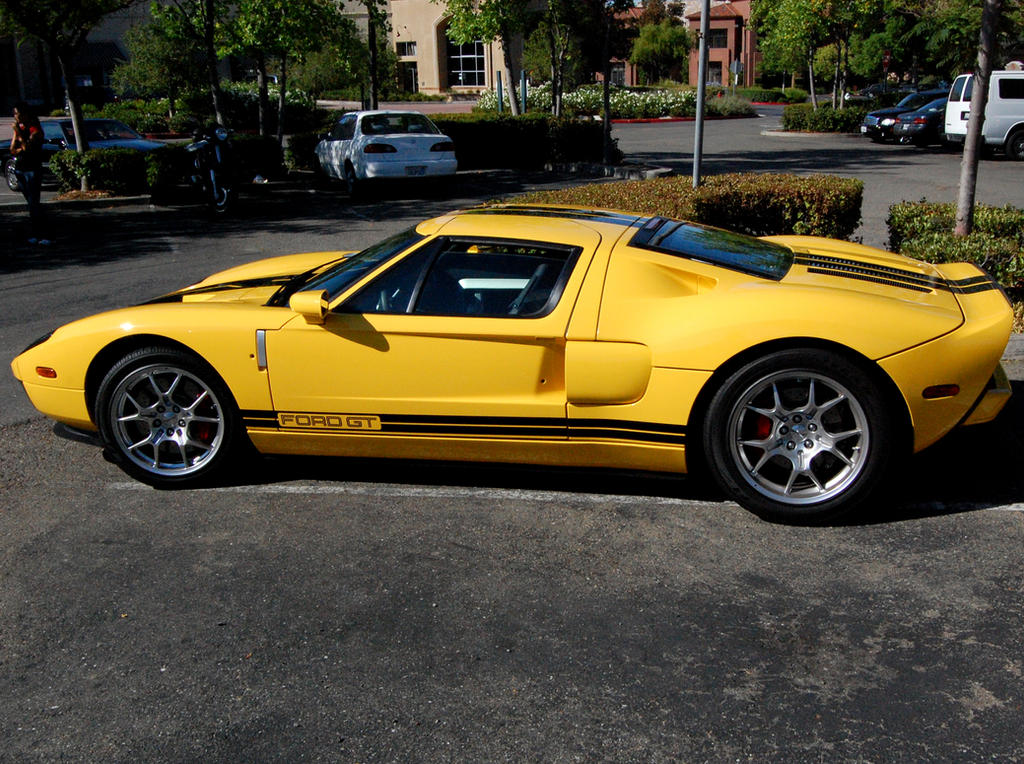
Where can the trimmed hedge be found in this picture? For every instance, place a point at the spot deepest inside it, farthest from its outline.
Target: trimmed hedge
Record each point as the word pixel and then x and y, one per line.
pixel 803 117
pixel 497 141
pixel 911 220
pixel 120 171
pixel 924 230
pixel 130 171
pixel 773 95
pixel 758 204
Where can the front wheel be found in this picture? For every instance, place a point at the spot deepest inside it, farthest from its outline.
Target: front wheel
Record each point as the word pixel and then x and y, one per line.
pixel 799 436
pixel 11 175
pixel 167 417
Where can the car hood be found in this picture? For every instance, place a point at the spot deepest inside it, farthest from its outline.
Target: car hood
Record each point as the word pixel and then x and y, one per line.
pixel 127 143
pixel 892 111
pixel 255 282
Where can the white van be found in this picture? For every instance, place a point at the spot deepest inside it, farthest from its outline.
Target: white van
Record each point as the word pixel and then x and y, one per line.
pixel 1004 116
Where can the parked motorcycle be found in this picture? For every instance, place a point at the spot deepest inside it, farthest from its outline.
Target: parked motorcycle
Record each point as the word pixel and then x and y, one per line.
pixel 214 174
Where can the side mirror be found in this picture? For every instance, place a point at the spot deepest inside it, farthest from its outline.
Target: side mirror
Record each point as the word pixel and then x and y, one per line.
pixel 312 306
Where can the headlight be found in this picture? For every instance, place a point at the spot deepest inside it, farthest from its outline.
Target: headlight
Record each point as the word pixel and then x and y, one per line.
pixel 887 122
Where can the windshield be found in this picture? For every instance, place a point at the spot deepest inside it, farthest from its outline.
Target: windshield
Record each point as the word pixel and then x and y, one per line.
pixel 398 124
pixel 351 269
pixel 713 245
pixel 102 130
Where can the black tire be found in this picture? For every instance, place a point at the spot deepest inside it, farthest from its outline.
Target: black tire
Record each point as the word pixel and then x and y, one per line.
pixel 167 418
pixel 1015 146
pixel 224 202
pixel 352 182
pixel 10 176
pixel 770 440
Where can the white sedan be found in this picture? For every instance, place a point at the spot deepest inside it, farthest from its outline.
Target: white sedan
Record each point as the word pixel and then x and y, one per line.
pixel 385 144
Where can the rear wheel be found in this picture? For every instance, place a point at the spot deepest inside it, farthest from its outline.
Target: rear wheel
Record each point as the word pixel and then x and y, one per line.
pixel 167 417
pixel 352 182
pixel 1015 146
pixel 799 436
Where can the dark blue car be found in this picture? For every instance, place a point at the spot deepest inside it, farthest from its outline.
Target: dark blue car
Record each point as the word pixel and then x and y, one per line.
pixel 924 126
pixel 879 125
pixel 58 135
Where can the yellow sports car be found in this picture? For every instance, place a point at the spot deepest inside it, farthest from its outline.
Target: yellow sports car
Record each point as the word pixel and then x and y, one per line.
pixel 794 369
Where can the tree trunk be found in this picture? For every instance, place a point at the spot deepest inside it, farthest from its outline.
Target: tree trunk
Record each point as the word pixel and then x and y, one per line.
pixel 282 83
pixel 810 80
pixel 979 98
pixel 606 109
pixel 371 42
pixel 553 60
pixel 261 83
pixel 209 48
pixel 513 94
pixel 64 59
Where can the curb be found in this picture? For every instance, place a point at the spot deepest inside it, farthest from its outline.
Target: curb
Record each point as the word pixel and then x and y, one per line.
pixel 1015 348
pixel 795 134
pixel 624 172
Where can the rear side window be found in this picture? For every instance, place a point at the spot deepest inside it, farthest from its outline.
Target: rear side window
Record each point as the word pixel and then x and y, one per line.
pixel 713 245
pixel 1011 88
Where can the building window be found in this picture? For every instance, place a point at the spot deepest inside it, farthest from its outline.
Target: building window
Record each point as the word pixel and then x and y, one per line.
pixel 405 48
pixel 466 64
pixel 619 73
pixel 718 38
pixel 715 73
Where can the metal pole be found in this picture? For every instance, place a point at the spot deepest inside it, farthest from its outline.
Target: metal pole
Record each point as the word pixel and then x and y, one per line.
pixel 501 94
pixel 702 76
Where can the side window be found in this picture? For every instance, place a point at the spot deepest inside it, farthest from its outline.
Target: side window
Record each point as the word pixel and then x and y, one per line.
pixel 495 279
pixel 958 88
pixel 343 130
pixel 1011 88
pixel 392 291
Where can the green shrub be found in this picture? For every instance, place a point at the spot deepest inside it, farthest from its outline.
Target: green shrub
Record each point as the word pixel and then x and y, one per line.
pixel 794 95
pixel 531 141
pixel 120 171
pixel 912 220
pixel 730 106
pixel 256 155
pixel 300 152
pixel 803 117
pixel 1001 256
pixel 141 116
pixel 166 167
pixel 764 95
pixel 759 204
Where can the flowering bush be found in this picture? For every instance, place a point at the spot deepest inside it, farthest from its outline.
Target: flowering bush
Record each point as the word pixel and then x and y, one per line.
pixel 588 101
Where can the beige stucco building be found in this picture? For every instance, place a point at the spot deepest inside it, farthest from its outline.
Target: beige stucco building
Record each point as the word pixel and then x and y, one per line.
pixel 429 61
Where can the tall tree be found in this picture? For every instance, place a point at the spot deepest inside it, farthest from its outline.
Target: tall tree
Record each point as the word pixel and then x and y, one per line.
pixel 660 50
pixel 158 65
pixel 987 48
pixel 63 26
pixel 199 22
pixel 491 20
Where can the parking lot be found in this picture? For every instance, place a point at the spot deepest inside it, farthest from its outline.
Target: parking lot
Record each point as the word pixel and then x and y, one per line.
pixel 353 610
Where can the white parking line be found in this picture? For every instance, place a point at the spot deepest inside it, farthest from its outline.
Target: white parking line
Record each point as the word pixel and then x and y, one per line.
pixel 502 494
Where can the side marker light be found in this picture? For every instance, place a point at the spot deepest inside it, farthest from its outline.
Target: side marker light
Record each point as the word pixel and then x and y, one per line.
pixel 46 372
pixel 940 391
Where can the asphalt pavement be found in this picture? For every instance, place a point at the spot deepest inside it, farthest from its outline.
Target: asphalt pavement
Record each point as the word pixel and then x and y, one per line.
pixel 364 611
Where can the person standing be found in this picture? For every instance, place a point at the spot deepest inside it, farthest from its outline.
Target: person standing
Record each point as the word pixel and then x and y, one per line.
pixel 27 150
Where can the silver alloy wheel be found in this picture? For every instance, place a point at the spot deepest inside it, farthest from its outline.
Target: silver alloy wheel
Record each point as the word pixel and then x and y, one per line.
pixel 166 420
pixel 798 437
